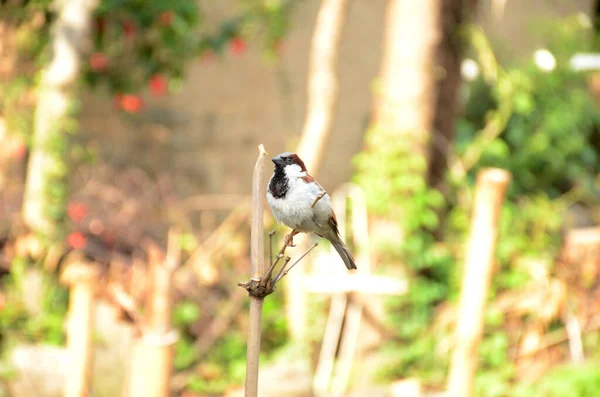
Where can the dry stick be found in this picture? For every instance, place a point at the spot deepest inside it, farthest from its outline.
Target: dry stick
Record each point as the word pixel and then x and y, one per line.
pixel 261 283
pixel 280 255
pixel 283 271
pixel 153 352
pixel 128 304
pixel 81 277
pixel 271 264
pixel 329 346
pixel 257 269
pixel 490 189
pixel 219 237
pixel 260 287
pixel 557 337
pixel 350 341
pixel 372 318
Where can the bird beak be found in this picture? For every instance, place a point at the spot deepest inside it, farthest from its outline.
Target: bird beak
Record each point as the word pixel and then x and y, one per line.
pixel 277 160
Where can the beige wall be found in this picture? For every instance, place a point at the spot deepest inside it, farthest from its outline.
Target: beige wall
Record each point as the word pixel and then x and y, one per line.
pixel 207 134
pixel 511 24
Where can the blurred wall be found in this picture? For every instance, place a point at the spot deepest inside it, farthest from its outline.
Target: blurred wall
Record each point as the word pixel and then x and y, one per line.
pixel 206 135
pixel 511 24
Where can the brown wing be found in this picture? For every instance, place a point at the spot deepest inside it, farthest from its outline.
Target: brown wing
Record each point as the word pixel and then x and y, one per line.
pixel 307 178
pixel 333 223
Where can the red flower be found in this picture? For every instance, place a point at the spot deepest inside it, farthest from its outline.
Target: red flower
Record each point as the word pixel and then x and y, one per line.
pixel 77 211
pixel 237 46
pixel 131 103
pixel 128 28
pixel 76 240
pixel 98 62
pixel 166 18
pixel 158 85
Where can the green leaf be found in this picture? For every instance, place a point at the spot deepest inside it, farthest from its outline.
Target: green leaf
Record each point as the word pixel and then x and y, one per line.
pixel 186 313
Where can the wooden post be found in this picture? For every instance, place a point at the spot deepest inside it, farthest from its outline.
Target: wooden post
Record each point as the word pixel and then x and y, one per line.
pixel 343 337
pixel 322 99
pixel 81 277
pixel 152 356
pixel 489 194
pixel 257 270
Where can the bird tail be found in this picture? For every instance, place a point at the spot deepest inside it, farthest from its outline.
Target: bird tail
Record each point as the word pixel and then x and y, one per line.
pixel 345 254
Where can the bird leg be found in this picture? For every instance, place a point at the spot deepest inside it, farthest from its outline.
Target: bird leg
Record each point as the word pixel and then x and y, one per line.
pixel 289 239
pixel 260 287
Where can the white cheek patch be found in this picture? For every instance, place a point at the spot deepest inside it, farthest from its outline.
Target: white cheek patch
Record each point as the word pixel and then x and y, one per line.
pixel 294 170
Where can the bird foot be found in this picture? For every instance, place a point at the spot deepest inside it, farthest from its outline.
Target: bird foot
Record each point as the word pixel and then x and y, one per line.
pixel 289 240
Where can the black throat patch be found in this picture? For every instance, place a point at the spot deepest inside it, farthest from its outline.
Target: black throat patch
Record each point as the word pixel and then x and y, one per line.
pixel 279 185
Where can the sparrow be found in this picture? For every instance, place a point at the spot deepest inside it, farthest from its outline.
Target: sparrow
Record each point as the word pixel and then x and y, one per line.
pixel 299 202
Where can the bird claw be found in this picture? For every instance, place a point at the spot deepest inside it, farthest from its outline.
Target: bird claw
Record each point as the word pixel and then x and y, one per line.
pixel 289 240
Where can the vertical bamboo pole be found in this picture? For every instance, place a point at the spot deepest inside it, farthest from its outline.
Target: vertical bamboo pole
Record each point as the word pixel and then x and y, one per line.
pixel 489 194
pixel 152 356
pixel 257 270
pixel 320 112
pixel 81 278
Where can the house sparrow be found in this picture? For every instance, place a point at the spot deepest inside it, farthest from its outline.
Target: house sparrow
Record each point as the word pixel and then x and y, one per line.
pixel 299 202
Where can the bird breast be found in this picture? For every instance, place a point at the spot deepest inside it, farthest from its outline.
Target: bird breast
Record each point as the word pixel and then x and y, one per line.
pixel 294 209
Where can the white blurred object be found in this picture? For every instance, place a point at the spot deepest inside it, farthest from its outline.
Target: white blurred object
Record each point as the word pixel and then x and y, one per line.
pixel 544 59
pixel 372 284
pixel 40 371
pixel 585 61
pixel 469 69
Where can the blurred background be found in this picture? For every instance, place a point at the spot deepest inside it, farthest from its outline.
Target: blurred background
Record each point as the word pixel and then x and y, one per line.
pixel 128 136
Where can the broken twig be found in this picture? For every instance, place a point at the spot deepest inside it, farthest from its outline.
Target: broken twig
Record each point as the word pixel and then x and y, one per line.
pixel 265 285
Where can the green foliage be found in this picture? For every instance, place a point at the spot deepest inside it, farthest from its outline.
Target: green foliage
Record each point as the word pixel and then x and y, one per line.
pixel 17 322
pixel 225 363
pixel 185 313
pixel 542 127
pixel 569 381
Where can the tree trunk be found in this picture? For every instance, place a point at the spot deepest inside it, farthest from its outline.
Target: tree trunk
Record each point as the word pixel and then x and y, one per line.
pixel 322 99
pixel 45 186
pixel 322 82
pixel 449 53
pixel 405 102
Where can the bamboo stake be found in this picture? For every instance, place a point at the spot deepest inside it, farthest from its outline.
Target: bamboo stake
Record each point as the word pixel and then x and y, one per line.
pixel 257 270
pixel 81 277
pixel 489 194
pixel 322 99
pixel 153 352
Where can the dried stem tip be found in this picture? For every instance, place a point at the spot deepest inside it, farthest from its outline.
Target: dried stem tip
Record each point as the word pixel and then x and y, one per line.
pixel 80 272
